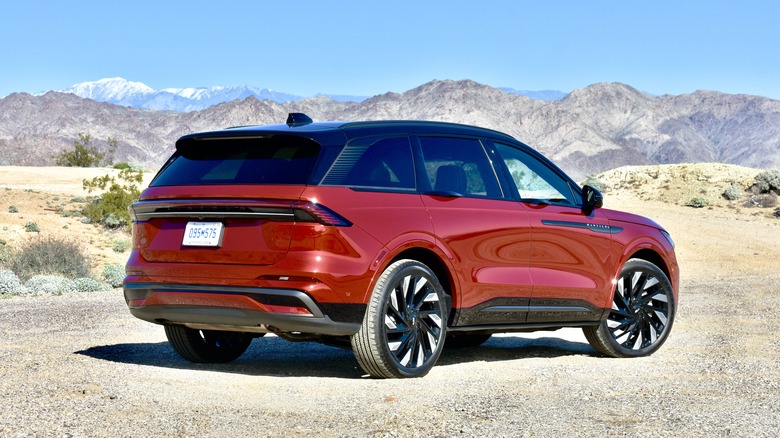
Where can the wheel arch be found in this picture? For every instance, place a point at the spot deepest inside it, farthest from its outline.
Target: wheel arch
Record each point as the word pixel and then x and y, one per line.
pixel 652 257
pixel 439 267
pixel 667 265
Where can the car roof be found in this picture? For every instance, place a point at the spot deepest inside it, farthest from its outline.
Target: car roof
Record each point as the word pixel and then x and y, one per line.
pixel 339 132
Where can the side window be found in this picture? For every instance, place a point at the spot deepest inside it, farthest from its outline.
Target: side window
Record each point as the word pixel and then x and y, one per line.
pixel 534 179
pixel 386 164
pixel 459 165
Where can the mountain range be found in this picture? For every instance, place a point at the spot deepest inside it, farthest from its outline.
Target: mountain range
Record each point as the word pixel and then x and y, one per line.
pixel 120 91
pixel 590 130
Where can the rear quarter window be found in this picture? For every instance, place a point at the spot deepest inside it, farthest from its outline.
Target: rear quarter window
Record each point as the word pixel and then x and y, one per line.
pixel 280 159
pixel 385 163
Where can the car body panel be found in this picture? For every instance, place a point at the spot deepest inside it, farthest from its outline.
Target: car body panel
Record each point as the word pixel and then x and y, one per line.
pixel 506 263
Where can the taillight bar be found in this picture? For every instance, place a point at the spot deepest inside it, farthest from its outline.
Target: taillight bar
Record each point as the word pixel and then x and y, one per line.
pixel 298 211
pixel 311 212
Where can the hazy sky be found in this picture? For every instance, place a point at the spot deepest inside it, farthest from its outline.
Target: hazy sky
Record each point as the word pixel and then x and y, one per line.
pixel 368 48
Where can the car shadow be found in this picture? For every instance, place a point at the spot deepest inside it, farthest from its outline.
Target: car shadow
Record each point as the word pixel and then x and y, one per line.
pixel 272 356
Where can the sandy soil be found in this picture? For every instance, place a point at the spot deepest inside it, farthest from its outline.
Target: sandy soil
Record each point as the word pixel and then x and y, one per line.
pixel 80 365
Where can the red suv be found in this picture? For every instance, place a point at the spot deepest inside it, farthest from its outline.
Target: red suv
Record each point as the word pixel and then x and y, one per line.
pixel 394 237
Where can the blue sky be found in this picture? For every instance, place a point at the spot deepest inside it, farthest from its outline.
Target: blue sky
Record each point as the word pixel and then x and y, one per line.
pixel 367 48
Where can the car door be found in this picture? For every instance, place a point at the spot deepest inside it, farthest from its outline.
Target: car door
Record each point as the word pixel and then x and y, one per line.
pixel 571 263
pixel 486 236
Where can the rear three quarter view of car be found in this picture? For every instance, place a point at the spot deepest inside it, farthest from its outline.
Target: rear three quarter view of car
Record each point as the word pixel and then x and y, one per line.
pixel 395 238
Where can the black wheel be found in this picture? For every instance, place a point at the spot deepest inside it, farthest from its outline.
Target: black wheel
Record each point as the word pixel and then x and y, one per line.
pixel 403 331
pixel 207 346
pixel 642 313
pixel 466 340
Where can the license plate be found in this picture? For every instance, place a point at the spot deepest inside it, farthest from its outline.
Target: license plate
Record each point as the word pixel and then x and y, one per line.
pixel 203 234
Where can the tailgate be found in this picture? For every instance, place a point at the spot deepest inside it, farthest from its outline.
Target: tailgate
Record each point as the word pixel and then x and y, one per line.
pixel 223 231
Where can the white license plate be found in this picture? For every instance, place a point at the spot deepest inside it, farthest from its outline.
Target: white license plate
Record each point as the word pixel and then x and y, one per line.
pixel 203 234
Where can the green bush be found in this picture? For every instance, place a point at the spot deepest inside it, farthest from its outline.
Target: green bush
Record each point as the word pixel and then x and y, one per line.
pixel 121 246
pixel 89 285
pixel 114 274
pixel 49 284
pixel 50 256
pixel 10 284
pixel 768 180
pixel 32 227
pixel 84 154
pixel 732 192
pixel 111 209
pixel 698 203
pixel 13 209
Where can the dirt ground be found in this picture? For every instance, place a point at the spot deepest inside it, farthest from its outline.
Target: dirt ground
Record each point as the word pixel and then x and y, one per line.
pixel 80 365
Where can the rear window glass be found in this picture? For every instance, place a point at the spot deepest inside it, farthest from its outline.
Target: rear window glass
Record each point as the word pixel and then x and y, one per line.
pixel 273 160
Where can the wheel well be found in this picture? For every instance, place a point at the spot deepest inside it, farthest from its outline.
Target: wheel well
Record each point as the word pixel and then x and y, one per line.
pixel 652 257
pixel 433 261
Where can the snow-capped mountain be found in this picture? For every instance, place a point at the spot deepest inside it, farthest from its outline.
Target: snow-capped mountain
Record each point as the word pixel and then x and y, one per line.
pixel 115 90
pixel 120 91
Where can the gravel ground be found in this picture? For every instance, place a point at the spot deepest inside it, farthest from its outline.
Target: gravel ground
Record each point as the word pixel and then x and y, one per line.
pixel 81 365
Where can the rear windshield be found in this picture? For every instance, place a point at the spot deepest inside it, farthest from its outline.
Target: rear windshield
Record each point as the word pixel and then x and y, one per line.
pixel 279 159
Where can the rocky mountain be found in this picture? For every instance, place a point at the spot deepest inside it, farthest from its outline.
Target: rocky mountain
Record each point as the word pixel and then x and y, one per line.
pixel 592 129
pixel 538 95
pixel 122 92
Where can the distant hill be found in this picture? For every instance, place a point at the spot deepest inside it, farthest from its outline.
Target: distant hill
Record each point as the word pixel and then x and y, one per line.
pixel 596 128
pixel 122 92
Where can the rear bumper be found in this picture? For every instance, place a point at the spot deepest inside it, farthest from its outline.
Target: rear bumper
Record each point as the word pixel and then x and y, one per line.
pixel 241 309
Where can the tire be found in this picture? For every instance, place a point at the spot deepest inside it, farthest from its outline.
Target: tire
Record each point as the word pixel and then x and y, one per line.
pixel 404 328
pixel 643 310
pixel 466 340
pixel 207 346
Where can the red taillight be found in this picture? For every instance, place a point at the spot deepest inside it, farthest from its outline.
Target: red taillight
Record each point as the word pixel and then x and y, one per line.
pixel 308 211
pixel 277 211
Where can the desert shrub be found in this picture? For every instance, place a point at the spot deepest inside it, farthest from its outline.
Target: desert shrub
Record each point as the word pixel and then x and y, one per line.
pixel 32 227
pixel 768 180
pixel 49 284
pixel 111 208
pixel 777 213
pixel 10 283
pixel 84 154
pixel 121 246
pixel 594 182
pixel 5 253
pixel 698 203
pixel 732 192
pixel 13 209
pixel 50 255
pixel 114 274
pixel 86 284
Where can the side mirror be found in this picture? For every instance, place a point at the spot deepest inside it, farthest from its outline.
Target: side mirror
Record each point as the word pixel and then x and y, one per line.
pixel 591 199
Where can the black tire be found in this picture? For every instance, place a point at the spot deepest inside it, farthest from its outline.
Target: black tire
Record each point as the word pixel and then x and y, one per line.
pixel 207 346
pixel 405 324
pixel 466 340
pixel 643 310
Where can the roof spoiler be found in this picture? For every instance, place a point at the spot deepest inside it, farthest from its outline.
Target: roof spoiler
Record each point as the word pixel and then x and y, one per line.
pixel 298 119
